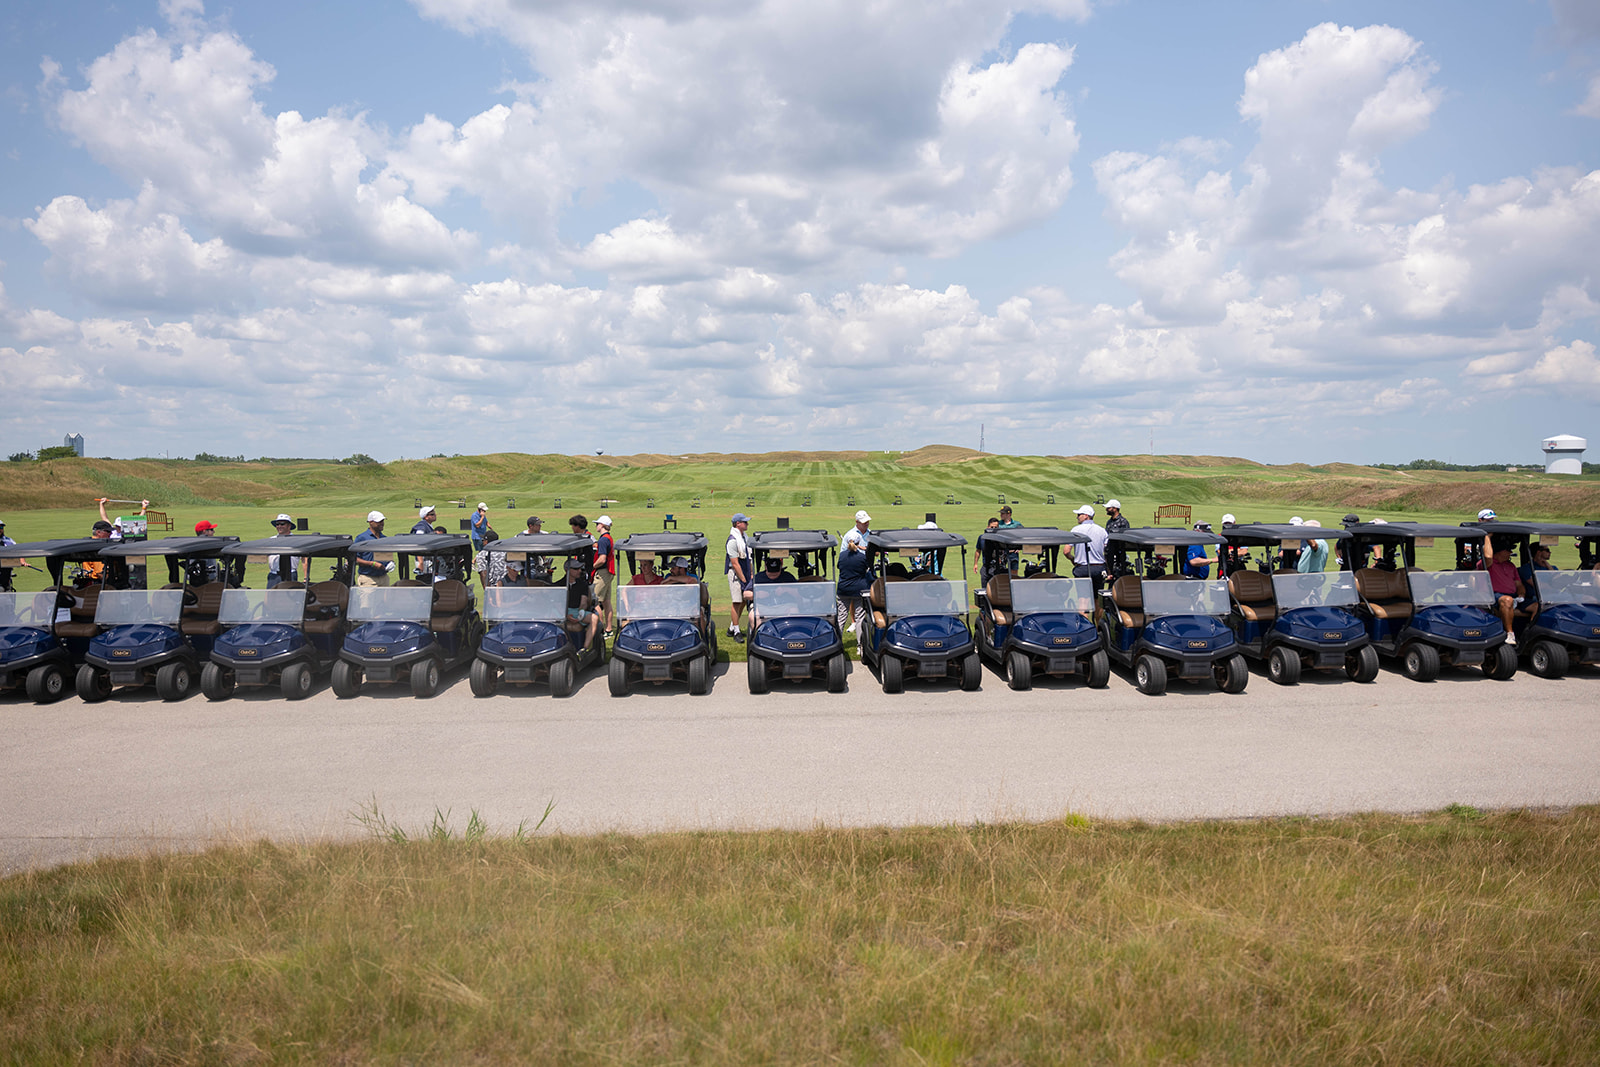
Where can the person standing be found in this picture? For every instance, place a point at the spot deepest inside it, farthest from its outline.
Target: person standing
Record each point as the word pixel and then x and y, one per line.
pixel 1314 555
pixel 491 566
pixel 282 567
pixel 739 566
pixel 1196 564
pixel 605 573
pixel 537 568
pixel 855 583
pixel 858 535
pixel 368 570
pixel 978 568
pixel 480 526
pixel 1006 521
pixel 5 572
pixel 1090 556
pixel 1115 523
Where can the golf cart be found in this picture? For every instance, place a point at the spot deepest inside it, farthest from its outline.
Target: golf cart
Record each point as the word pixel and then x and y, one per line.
pixel 1295 621
pixel 417 628
pixel 918 623
pixel 1558 625
pixel 794 633
pixel 1426 619
pixel 1161 623
pixel 530 638
pixel 1036 620
pixel 664 631
pixel 160 635
pixel 44 635
pixel 289 633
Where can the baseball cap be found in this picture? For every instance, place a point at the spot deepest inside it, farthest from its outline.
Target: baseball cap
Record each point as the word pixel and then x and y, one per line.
pixel 101 525
pixel 679 561
pixel 604 520
pixel 424 511
pixel 1206 526
pixel 1113 503
pixel 284 517
pixel 928 526
pixel 1314 522
pixel 482 506
pixel 739 517
pixel 1297 521
pixel 204 524
pixel 1351 519
pixel 1487 515
pixel 862 516
pixel 1087 509
pixel 535 519
pixel 774 563
pixel 1228 520
pixel 1006 510
pixel 374 516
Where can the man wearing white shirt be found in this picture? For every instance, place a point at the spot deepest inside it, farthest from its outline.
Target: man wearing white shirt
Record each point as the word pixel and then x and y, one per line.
pixel 1090 557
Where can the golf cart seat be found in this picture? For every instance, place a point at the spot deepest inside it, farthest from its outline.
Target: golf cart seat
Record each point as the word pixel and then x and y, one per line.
pixel 875 596
pixel 81 623
pixel 290 585
pixel 451 598
pixel 1387 593
pixel 410 583
pixel 1128 596
pixel 1252 591
pixel 998 592
pixel 200 618
pixel 326 607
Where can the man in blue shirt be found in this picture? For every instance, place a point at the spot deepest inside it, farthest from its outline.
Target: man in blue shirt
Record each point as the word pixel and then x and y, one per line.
pixel 1196 564
pixel 368 570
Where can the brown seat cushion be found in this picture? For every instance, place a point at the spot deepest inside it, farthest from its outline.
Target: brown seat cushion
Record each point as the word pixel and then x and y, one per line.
pixel 450 599
pixel 1128 595
pixel 200 618
pixel 998 593
pixel 1387 593
pixel 1252 591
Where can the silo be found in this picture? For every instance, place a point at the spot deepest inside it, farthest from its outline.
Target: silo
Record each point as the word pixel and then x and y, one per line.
pixel 1563 454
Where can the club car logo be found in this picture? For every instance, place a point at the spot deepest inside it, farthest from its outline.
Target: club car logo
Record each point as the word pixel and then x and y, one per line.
pixel 1471 633
pixel 933 644
pixel 655 646
pixel 1333 635
pixel 121 652
pixel 377 649
pixel 247 652
pixel 797 644
pixel 516 648
pixel 1063 640
pixel 1197 644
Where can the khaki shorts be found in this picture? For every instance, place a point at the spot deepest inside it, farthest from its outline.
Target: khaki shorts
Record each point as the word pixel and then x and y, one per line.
pixel 362 579
pixel 603 581
pixel 736 590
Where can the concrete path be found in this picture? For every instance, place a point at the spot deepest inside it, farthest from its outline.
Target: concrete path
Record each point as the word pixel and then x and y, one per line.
pixel 134 773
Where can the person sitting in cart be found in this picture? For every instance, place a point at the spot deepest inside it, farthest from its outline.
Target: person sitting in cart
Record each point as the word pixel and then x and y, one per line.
pixel 773 573
pixel 1508 587
pixel 648 575
pixel 1196 564
pixel 678 572
pixel 579 605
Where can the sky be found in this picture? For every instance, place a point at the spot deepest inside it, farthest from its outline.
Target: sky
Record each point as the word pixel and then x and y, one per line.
pixel 1288 230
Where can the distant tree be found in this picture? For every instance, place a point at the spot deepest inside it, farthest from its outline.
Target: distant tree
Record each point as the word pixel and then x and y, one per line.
pixel 20 457
pixel 360 459
pixel 207 457
pixel 58 452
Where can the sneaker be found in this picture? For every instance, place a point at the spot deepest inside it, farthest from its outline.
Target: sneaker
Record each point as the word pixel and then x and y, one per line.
pixel 738 635
pixel 1511 639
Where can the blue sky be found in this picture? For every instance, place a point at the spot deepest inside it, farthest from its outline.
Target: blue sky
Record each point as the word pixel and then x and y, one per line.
pixel 1292 231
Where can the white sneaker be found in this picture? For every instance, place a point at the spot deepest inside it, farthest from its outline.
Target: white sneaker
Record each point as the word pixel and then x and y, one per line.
pixel 1511 638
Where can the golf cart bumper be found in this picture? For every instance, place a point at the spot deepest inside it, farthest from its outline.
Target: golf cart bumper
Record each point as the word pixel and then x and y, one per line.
pixel 254 651
pixel 524 649
pixel 1463 636
pixel 1577 626
pixel 1057 640
pixel 1328 635
pixel 800 645
pixel 131 653
pixel 931 646
pixel 1189 644
pixel 660 648
pixel 22 648
pixel 384 650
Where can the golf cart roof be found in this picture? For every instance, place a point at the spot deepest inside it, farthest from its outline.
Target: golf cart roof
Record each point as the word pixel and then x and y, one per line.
pixel 1567 529
pixel 543 544
pixel 294 545
pixel 664 541
pixel 413 544
pixel 1164 536
pixel 1404 531
pixel 190 547
pixel 1270 533
pixel 1515 529
pixel 68 547
pixel 793 540
pixel 895 540
pixel 1018 536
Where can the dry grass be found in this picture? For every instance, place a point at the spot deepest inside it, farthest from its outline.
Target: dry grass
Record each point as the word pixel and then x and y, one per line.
pixel 1451 938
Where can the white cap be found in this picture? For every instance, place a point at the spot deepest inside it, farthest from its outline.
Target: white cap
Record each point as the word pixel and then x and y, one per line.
pixel 1228 520
pixel 1380 522
pixel 604 520
pixel 928 526
pixel 862 516
pixel 1297 521
pixel 1314 522
pixel 374 516
pixel 285 517
pixel 1486 515
pixel 1114 503
pixel 422 512
pixel 1087 509
pixel 482 506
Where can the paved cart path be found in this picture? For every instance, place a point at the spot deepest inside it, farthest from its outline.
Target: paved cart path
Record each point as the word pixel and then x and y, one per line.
pixel 133 773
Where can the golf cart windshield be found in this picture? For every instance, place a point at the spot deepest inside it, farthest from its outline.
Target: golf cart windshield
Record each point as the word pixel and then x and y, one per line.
pixel 506 603
pixel 1328 589
pixel 406 603
pixel 1568 587
pixel 925 598
pixel 1185 596
pixel 1051 594
pixel 123 607
pixel 287 606
pixel 658 601
pixel 1455 588
pixel 815 599
pixel 27 609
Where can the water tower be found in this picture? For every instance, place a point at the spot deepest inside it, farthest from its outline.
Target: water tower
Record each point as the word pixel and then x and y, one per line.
pixel 1563 454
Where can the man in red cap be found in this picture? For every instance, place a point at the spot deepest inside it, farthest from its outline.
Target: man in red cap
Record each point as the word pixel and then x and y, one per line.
pixel 203 571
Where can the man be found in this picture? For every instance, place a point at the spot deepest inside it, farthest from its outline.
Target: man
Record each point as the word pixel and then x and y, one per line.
pixel 678 572
pixel 858 536
pixel 1196 563
pixel 978 568
pixel 202 571
pixel 1314 556
pixel 426 517
pixel 1508 587
pixel 480 526
pixel 773 573
pixel 491 566
pixel 1288 558
pixel 537 568
pixel 1115 523
pixel 738 565
pixel 1006 521
pixel 605 572
pixel 854 585
pixel 116 527
pixel 579 606
pixel 648 575
pixel 535 525
pixel 284 567
pixel 368 570
pixel 1090 557
pixel 5 572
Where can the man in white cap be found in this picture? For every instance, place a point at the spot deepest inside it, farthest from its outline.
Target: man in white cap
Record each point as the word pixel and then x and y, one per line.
pixel 1487 515
pixel 739 566
pixel 1289 558
pixel 1115 523
pixel 480 526
pixel 283 567
pixel 426 518
pixel 1090 557
pixel 605 572
pixel 1314 557
pixel 856 538
pixel 368 570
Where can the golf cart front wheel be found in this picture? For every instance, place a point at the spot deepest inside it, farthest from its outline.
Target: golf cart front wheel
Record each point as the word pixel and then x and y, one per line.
pixel 1019 671
pixel 425 678
pixel 700 676
pixel 1501 663
pixel 215 682
pixel 295 681
pixel 1420 662
pixel 755 670
pixel 1362 664
pixel 1099 671
pixel 971 673
pixel 894 676
pixel 1233 673
pixel 1283 665
pixel 838 671
pixel 346 680
pixel 46 684
pixel 562 676
pixel 485 677
pixel 1150 675
pixel 617 677
pixel 173 681
pixel 1548 660
pixel 93 685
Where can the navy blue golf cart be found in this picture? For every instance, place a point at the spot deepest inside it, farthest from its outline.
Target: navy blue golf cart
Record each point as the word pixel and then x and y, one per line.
pixel 1163 624
pixel 917 627
pixel 1426 619
pixel 531 639
pixel 664 630
pixel 795 632
pixel 288 634
pixel 1295 622
pixel 1035 620
pixel 417 628
pixel 157 635
pixel 44 635
pixel 1558 624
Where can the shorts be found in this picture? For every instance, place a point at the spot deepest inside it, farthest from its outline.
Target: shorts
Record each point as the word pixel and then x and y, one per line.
pixel 736 588
pixel 362 579
pixel 602 588
pixel 580 614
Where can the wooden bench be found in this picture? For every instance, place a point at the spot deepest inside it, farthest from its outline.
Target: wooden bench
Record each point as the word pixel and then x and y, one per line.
pixel 1178 512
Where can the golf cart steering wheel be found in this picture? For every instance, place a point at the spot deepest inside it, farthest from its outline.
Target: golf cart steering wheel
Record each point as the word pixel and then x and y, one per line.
pixel 190 598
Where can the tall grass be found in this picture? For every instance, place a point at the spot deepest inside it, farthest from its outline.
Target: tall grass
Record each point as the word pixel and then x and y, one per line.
pixel 1442 939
